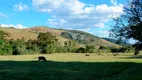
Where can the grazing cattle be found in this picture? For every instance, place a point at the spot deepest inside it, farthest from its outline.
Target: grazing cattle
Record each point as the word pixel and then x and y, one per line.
pixel 41 58
pixel 87 55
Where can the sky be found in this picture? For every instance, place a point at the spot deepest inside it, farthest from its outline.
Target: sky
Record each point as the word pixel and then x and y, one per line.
pixel 93 16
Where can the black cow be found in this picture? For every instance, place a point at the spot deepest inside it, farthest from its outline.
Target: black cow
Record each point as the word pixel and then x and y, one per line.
pixel 41 58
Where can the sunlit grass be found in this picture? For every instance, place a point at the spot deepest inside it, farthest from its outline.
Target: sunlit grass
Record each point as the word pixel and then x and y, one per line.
pixel 66 57
pixel 71 66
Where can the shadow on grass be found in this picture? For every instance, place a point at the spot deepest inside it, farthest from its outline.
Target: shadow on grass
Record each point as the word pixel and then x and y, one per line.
pixel 50 70
pixel 132 57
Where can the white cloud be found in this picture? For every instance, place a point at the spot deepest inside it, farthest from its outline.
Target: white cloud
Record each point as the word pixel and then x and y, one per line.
pixel 77 15
pixel 3 16
pixel 20 7
pixel 18 26
pixel 101 25
pixel 102 33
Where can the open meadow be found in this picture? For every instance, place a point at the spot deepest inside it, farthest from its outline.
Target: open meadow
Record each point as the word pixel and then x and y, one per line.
pixel 71 67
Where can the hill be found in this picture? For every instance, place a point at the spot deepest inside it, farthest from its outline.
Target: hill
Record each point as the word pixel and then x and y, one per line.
pixel 86 38
pixel 19 33
pixel 80 37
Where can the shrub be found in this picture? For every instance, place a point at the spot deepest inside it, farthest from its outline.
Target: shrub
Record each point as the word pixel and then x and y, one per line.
pixel 49 50
pixel 61 49
pixel 90 49
pixel 81 50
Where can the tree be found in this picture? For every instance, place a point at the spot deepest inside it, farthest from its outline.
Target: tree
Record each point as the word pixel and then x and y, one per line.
pixel 46 39
pixel 90 49
pixel 46 42
pixel 5 47
pixel 18 46
pixel 3 34
pixel 129 24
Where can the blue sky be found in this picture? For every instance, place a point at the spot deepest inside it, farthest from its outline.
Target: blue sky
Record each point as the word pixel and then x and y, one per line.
pixel 93 16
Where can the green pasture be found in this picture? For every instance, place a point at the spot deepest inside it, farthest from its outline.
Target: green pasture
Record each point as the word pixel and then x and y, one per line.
pixel 71 66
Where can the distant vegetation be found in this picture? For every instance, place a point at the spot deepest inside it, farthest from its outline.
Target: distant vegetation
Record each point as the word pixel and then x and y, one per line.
pixel 48 43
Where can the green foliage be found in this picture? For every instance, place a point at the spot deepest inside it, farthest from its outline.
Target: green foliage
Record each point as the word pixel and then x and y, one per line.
pixel 81 50
pixel 104 49
pixel 125 49
pixel 32 47
pixel 49 50
pixel 90 49
pixel 5 48
pixel 46 38
pixel 18 51
pixel 19 47
pixel 135 32
pixel 61 49
pixel 46 42
pixel 71 49
pixel 128 25
pixel 2 43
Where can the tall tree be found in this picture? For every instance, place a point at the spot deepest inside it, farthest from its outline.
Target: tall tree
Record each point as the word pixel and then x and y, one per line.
pixel 45 39
pixel 129 24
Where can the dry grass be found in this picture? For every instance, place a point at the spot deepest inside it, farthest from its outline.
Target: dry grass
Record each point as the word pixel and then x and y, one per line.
pixel 18 33
pixel 27 34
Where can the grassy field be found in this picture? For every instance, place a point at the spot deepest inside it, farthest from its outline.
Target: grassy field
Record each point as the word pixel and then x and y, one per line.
pixel 71 67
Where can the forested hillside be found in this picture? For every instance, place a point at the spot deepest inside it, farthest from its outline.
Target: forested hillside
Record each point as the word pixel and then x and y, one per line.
pixel 47 40
pixel 62 35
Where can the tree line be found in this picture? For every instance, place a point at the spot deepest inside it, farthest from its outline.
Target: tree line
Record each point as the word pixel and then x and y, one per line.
pixel 47 43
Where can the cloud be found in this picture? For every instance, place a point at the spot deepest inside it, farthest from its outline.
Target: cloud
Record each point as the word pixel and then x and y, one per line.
pixel 74 14
pixel 100 25
pixel 20 7
pixel 102 33
pixel 18 26
pixel 3 16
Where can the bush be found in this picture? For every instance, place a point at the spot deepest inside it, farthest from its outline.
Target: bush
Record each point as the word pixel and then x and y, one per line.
pixel 81 50
pixel 104 49
pixel 125 49
pixel 19 50
pixel 49 50
pixel 90 49
pixel 61 49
